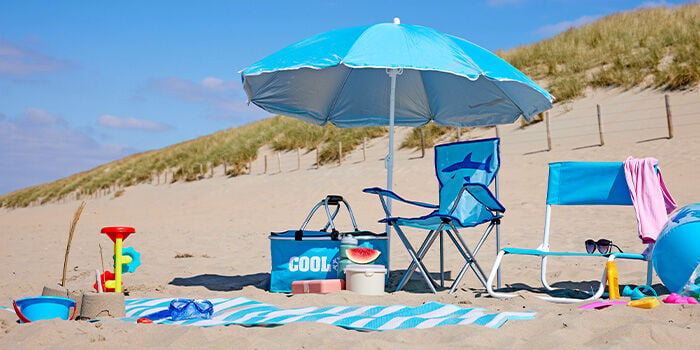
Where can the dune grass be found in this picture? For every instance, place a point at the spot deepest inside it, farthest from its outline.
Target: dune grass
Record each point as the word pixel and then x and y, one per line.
pixel 655 47
pixel 432 134
pixel 193 159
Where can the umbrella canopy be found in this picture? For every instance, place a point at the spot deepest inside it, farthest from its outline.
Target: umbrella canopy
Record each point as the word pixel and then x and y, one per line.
pixel 341 77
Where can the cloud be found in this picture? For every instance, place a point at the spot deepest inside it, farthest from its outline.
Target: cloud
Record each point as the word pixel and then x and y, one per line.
pixel 37 116
pixel 497 3
pixel 110 121
pixel 16 60
pixel 38 147
pixel 225 100
pixel 556 28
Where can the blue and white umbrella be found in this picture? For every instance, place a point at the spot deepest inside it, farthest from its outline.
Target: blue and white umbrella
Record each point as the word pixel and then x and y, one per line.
pixel 392 74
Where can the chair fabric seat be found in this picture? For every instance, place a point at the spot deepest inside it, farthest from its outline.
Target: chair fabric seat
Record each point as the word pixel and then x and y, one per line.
pixel 537 252
pixel 433 221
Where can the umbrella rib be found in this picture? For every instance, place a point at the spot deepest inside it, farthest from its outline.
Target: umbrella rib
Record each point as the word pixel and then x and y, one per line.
pixel 506 96
pixel 337 94
pixel 427 98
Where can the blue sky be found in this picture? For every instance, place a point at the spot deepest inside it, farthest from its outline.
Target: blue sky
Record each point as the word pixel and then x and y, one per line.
pixel 83 83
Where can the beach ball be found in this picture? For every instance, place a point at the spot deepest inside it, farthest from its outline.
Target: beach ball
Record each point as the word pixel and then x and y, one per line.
pixel 676 256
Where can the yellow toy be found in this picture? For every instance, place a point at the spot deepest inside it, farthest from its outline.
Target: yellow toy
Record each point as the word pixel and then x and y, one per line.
pixel 118 235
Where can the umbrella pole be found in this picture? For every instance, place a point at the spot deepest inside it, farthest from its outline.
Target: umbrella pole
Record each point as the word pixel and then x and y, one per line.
pixel 389 161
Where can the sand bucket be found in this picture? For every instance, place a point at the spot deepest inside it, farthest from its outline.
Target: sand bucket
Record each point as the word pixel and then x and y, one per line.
pixel 43 308
pixel 365 279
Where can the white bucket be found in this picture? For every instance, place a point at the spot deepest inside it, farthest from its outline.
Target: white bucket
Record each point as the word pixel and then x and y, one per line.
pixel 365 279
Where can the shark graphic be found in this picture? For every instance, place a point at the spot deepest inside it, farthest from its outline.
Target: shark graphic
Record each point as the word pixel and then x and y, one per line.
pixel 468 163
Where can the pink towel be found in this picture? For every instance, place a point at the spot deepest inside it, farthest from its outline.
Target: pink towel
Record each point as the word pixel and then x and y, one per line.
pixel 652 201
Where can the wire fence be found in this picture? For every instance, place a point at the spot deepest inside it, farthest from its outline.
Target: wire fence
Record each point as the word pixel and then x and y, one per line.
pixel 568 128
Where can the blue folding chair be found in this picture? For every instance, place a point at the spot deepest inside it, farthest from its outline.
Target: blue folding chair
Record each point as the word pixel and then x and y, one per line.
pixel 464 171
pixel 576 183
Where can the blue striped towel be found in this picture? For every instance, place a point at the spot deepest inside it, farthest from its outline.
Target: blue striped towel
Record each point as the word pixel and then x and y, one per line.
pixel 244 311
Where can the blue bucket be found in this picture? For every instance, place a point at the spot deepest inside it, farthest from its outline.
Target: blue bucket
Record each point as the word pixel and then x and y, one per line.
pixel 43 308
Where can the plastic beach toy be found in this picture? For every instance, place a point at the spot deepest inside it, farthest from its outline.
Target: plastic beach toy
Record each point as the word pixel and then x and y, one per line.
pixel 638 292
pixel 43 308
pixel 129 261
pixel 645 303
pixel 602 304
pixel 674 298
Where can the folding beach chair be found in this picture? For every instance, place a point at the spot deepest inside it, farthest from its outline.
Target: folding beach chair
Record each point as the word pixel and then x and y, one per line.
pixel 464 171
pixel 577 183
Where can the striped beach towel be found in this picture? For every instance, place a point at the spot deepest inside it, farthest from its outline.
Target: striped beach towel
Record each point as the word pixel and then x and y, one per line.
pixel 244 311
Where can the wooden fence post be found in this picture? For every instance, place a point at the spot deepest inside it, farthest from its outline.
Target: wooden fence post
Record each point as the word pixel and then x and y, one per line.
pixel 549 135
pixel 600 125
pixel 459 134
pixel 265 172
pixel 317 158
pixel 668 116
pixel 340 152
pixel 495 127
pixel 279 162
pixel 422 143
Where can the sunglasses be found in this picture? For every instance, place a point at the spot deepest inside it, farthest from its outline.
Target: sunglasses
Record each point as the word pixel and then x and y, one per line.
pixel 604 246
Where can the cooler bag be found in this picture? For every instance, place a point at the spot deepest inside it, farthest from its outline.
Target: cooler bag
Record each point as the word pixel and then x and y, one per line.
pixel 299 255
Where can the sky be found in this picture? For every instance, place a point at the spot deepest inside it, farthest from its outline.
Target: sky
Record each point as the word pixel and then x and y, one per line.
pixel 83 83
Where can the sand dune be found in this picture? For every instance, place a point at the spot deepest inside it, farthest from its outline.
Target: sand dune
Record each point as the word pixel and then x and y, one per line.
pixel 224 222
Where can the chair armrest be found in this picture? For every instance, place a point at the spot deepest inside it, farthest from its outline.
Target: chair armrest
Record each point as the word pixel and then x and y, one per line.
pixel 482 194
pixel 386 193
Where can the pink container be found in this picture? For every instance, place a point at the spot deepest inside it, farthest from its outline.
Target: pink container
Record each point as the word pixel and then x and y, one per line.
pixel 317 286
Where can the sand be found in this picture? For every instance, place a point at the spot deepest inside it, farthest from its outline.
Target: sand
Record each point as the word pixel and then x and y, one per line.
pixel 223 223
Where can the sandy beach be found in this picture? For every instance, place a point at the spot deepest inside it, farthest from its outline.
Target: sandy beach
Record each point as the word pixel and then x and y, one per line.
pixel 223 223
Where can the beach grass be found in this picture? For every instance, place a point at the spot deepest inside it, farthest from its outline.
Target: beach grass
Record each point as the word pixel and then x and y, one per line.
pixel 192 160
pixel 651 47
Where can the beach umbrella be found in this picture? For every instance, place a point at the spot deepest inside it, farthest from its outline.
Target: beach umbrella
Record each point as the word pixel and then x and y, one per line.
pixel 392 74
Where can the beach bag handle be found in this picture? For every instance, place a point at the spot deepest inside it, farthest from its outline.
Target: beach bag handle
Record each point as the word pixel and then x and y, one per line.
pixel 332 199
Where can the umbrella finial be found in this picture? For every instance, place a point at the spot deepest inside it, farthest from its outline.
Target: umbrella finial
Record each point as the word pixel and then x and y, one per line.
pixel 397 20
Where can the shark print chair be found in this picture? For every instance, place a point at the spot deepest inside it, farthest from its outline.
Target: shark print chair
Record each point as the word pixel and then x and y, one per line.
pixel 464 171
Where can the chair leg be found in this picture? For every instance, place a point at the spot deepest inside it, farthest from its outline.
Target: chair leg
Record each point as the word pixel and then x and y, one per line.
pixel 442 261
pixel 492 276
pixel 471 261
pixel 427 243
pixel 543 275
pixel 468 264
pixel 422 269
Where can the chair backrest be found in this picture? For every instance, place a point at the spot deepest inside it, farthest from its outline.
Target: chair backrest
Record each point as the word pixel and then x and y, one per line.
pixel 587 183
pixel 456 163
